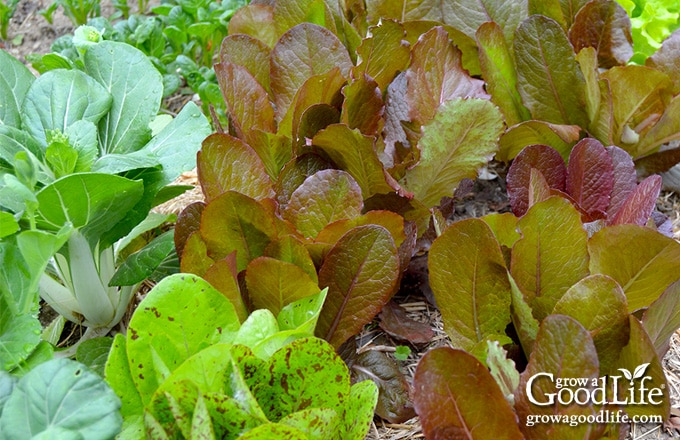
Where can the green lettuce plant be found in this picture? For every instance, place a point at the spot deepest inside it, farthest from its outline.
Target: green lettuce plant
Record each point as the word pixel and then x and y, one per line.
pixel 265 377
pixel 85 152
pixel 652 22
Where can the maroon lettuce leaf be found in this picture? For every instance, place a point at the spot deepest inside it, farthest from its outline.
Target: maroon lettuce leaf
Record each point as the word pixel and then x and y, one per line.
pixel 395 322
pixel 590 177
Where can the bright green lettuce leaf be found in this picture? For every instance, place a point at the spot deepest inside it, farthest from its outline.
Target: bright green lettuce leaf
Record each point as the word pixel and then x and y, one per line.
pixel 274 430
pixel 19 335
pixel 316 423
pixel 504 227
pixel 503 370
pixel 549 79
pixel 470 284
pixel 498 69
pixel 8 225
pixel 303 313
pixel 325 197
pixel 459 140
pixel 643 271
pixel 273 284
pixel 551 256
pixel 302 52
pixel 15 80
pixel 136 87
pixel 361 272
pixel 226 164
pixel 119 377
pixel 181 316
pixel 662 318
pixel 523 319
pixel 562 11
pixel 59 98
pixel 564 349
pixel 356 419
pixel 598 303
pixel 259 325
pixel 460 402
pixel 61 394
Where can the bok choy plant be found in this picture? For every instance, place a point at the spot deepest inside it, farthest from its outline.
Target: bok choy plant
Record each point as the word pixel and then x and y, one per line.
pixel 84 148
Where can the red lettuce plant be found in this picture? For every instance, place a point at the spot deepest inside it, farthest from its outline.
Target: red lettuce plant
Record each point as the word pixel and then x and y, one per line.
pixel 600 182
pixel 568 299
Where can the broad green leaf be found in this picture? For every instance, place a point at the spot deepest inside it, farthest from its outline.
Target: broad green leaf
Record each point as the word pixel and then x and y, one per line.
pixel 82 136
pixel 458 141
pixel 358 414
pixel 59 98
pixel 302 52
pixel 288 14
pixel 664 131
pixel 140 265
pixel 181 316
pixel 19 335
pixel 194 258
pixel 248 52
pixel 234 222
pixel 563 349
pixel 226 163
pixel 460 402
pixel 383 53
pixel 273 284
pixel 94 352
pixel 61 394
pixel 174 147
pixel 522 318
pixel 640 259
pixel 14 140
pixel 598 304
pixel 260 325
pixel 274 430
pixel 8 225
pixel 291 250
pixel 201 422
pixel 498 69
pixel 62 158
pixel 361 273
pixel 662 319
pixel 634 356
pixel 516 138
pixel 324 197
pixel 15 80
pixel 549 79
pixel 470 284
pixel 136 87
pixel 93 202
pixel 247 101
pixel 588 63
pixel 119 377
pixel 355 153
pixel 503 370
pixel 436 75
pixel 562 11
pixel 306 373
pixel 7 383
pixel 42 353
pixel 606 27
pixel 552 254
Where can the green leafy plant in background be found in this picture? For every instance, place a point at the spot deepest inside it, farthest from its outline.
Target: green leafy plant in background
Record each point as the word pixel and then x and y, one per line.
pixel 264 377
pixel 652 22
pixel 84 156
pixel 81 406
pixel 568 294
pixel 78 11
pixel 7 8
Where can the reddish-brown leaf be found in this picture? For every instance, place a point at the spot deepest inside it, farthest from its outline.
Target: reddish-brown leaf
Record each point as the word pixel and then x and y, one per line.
pixel 666 59
pixel 248 52
pixel 361 273
pixel 541 157
pixel 223 276
pixel 395 322
pixel 662 319
pixel 188 222
pixel 256 20
pixel 605 26
pixel 638 206
pixel 363 105
pixel 384 53
pixel 590 177
pixel 457 398
pixel 625 179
